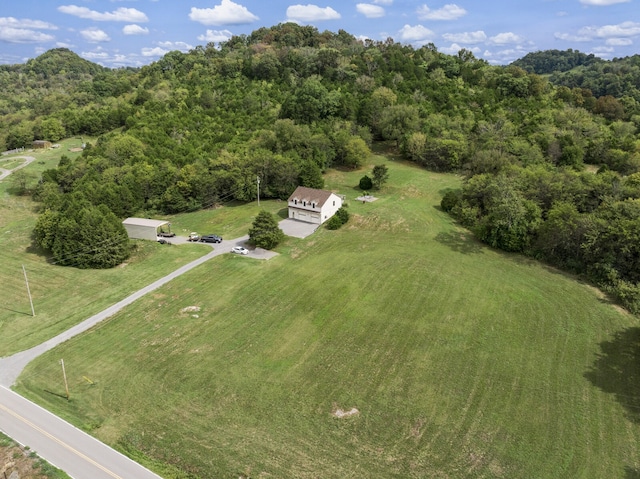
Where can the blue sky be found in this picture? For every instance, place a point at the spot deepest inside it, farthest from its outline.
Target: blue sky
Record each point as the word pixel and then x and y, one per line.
pixel 117 33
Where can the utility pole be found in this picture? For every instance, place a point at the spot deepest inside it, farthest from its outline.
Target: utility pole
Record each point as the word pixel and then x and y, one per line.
pixel 64 375
pixel 33 312
pixel 258 180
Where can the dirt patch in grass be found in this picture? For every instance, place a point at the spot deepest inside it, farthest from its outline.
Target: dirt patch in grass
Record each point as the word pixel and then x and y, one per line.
pixel 18 462
pixel 602 296
pixel 192 311
pixel 341 413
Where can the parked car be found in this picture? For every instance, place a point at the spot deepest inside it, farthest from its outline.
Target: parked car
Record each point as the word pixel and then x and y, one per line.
pixel 161 240
pixel 211 239
pixel 239 250
pixel 193 237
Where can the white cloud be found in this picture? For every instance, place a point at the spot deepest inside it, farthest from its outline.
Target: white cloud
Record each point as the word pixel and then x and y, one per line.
pixel 503 57
pixel 506 38
pixel 602 3
pixel 154 52
pixel 182 46
pixel 572 38
pixel 97 55
pixel 466 37
pixel 227 13
pixel 135 30
pixel 370 11
pixel 624 29
pixel 120 15
pixel 448 12
pixel 455 48
pixel 383 2
pixel 26 23
pixel 619 42
pixel 95 35
pixel 417 34
pixel 113 59
pixel 311 13
pixel 602 50
pixel 215 36
pixel 23 35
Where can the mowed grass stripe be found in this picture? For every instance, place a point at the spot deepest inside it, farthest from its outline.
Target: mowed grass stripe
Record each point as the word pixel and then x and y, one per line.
pixel 462 361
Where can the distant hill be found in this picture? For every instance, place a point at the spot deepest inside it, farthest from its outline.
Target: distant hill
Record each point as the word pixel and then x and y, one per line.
pixel 550 61
pixel 58 61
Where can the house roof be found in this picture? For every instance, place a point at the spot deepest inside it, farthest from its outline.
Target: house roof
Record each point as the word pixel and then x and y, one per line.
pixel 144 222
pixel 310 195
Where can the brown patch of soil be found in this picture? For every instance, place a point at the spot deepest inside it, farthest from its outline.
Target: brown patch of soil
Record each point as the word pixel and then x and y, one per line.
pixel 340 413
pixel 16 461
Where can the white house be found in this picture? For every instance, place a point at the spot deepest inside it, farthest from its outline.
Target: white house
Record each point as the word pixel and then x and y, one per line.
pixel 313 206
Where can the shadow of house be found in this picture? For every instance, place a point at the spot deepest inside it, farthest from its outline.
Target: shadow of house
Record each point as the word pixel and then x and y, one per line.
pixel 617 371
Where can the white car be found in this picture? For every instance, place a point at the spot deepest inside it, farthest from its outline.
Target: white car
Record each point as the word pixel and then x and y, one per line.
pixel 239 250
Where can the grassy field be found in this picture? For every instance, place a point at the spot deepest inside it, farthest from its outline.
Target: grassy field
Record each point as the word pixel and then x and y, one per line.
pixel 62 297
pixel 461 361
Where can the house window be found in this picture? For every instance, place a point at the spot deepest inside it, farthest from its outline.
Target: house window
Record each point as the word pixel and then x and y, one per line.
pixel 313 205
pixel 334 202
pixel 295 202
pixel 304 203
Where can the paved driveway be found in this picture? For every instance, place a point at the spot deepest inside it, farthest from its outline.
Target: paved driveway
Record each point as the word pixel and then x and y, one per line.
pixel 297 229
pixel 226 245
pixel 4 172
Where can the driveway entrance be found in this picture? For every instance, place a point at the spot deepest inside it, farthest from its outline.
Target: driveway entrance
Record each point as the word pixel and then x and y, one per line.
pixel 297 229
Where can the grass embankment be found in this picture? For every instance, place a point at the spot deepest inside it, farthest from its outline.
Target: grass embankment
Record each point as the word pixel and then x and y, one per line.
pixel 461 361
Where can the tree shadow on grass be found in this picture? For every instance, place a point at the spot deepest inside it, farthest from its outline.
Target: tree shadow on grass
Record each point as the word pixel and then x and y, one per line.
pixel 617 371
pixel 631 473
pixel 460 241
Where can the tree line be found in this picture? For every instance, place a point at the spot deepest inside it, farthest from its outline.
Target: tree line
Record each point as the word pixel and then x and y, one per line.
pixel 285 103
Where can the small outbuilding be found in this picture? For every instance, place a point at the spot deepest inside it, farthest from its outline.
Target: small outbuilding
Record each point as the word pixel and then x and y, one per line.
pixel 42 144
pixel 312 205
pixel 143 228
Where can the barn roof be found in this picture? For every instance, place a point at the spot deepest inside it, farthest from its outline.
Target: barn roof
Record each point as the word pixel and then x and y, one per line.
pixel 145 222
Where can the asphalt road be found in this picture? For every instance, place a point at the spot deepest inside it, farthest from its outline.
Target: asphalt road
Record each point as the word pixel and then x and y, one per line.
pixel 63 445
pixel 68 448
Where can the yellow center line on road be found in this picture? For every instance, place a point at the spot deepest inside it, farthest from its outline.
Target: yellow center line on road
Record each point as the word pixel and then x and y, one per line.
pixel 63 444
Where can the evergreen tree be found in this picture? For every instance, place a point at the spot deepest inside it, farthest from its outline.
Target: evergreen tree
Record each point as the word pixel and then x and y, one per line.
pixel 265 232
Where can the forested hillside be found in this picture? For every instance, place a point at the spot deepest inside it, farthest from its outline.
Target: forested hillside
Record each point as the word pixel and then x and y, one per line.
pixel 552 61
pixel 551 172
pixel 589 80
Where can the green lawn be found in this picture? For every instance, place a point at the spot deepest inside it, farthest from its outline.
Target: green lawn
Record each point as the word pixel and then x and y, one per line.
pixel 461 361
pixel 62 297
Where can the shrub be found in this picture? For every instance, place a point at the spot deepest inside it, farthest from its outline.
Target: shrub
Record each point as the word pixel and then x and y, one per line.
pixel 450 200
pixel 333 223
pixel 337 220
pixel 343 214
pixel 365 183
